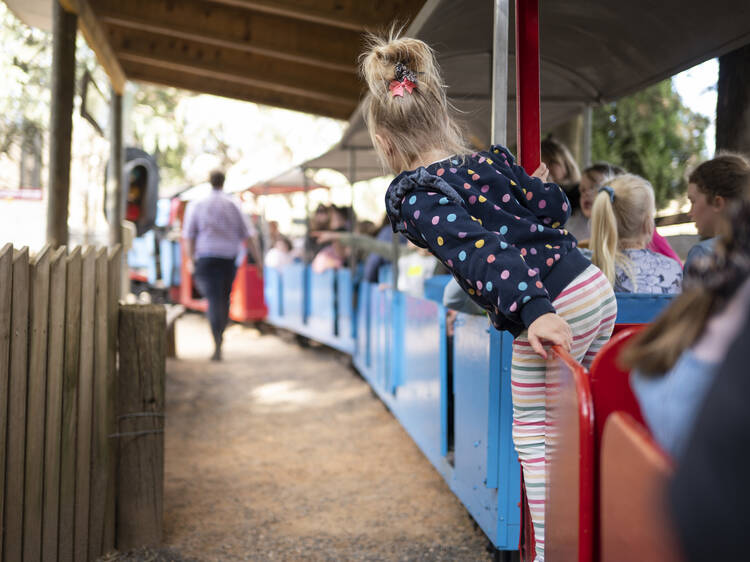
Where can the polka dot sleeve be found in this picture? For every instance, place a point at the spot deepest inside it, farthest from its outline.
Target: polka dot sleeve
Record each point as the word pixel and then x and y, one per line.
pixel 486 266
pixel 545 200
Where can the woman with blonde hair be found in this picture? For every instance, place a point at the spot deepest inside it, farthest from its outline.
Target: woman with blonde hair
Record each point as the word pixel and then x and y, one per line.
pixel 622 225
pixel 498 230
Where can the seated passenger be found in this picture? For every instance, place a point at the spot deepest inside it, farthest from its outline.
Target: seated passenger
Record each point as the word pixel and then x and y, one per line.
pixel 563 169
pixel 674 359
pixel 592 178
pixel 414 267
pixel 711 187
pixel 622 225
pixel 280 255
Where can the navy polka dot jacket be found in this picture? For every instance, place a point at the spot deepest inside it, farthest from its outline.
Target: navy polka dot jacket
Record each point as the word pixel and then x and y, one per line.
pixel 499 231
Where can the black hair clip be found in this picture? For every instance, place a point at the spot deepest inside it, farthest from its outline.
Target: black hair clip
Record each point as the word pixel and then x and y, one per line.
pixel 608 190
pixel 402 71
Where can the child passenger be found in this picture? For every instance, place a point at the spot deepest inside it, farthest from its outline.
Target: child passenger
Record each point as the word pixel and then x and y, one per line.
pixel 675 358
pixel 500 232
pixel 622 225
pixel 712 187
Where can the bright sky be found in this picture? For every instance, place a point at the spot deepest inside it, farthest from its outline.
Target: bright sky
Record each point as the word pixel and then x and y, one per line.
pixel 697 88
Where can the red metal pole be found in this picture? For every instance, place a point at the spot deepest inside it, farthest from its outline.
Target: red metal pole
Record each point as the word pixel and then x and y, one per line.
pixel 527 83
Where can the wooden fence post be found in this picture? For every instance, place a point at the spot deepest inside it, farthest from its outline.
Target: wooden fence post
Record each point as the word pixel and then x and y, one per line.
pixel 85 403
pixel 55 358
pixel 6 290
pixel 140 395
pixel 70 406
pixel 15 452
pixel 36 392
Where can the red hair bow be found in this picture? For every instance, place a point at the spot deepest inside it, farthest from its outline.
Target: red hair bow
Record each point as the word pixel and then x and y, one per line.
pixel 397 88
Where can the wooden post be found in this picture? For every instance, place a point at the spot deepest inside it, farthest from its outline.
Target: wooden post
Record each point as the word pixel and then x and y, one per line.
pixel 64 27
pixel 140 395
pixel 113 311
pixel 6 290
pixel 115 195
pixel 99 448
pixel 14 462
pixel 85 403
pixel 69 420
pixel 36 391
pixel 733 102
pixel 55 358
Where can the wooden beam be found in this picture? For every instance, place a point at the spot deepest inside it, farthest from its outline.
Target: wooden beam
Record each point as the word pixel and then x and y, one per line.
pixel 227 26
pixel 251 69
pixel 346 14
pixel 61 123
pixel 97 40
pixel 225 88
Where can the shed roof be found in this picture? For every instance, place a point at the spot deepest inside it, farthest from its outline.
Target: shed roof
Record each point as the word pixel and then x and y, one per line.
pixel 591 51
pixel 294 54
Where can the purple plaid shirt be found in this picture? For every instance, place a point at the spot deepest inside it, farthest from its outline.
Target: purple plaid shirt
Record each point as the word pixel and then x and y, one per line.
pixel 217 226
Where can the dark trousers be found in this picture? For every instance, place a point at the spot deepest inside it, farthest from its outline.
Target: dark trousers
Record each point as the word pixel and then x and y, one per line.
pixel 214 278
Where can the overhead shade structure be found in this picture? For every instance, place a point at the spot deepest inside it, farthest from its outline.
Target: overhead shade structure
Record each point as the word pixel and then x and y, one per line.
pixel 591 52
pixel 291 181
pixel 294 54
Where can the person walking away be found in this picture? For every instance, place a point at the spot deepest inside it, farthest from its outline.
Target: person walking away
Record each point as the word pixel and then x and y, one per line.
pixel 215 230
pixel 498 230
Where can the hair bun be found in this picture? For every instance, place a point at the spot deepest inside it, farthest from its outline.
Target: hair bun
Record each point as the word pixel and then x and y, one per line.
pixel 380 60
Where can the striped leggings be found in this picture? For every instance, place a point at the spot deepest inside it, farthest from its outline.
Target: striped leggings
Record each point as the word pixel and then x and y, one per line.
pixel 588 305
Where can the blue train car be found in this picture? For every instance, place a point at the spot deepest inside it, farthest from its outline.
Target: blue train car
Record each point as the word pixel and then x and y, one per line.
pixel 452 395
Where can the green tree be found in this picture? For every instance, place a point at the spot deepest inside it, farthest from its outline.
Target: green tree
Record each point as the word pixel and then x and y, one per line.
pixel 652 134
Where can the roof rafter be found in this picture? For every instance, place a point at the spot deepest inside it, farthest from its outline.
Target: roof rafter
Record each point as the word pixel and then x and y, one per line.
pixel 97 40
pixel 347 14
pixel 154 74
pixel 237 28
pixel 267 73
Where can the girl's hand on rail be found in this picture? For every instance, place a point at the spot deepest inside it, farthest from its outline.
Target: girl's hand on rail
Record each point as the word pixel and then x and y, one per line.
pixel 549 328
pixel 541 172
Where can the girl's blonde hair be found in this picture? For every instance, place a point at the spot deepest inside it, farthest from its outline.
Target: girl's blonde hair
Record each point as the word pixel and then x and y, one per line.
pixel 618 220
pixel 417 122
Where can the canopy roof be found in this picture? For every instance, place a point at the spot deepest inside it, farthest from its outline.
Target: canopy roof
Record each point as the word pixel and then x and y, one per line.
pixel 591 51
pixel 291 181
pixel 302 55
pixel 295 54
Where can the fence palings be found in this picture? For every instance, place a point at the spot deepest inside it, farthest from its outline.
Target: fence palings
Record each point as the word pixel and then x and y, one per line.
pixel 60 434
pixel 85 397
pixel 6 290
pixel 55 362
pixel 114 273
pixel 99 449
pixel 15 447
pixel 36 390
pixel 69 419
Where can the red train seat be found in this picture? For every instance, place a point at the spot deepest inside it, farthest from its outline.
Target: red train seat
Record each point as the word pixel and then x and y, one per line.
pixel 569 456
pixel 610 384
pixel 634 471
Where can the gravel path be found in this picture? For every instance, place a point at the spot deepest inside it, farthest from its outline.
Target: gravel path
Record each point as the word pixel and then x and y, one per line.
pixel 282 453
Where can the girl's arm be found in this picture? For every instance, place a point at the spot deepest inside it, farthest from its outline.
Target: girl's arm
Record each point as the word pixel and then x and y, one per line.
pixel 483 261
pixel 545 200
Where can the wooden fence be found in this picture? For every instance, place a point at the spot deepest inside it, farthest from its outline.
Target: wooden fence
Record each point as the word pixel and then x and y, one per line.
pixel 58 412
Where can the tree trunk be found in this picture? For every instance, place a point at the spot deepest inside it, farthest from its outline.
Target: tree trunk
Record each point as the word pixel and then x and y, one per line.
pixel 733 103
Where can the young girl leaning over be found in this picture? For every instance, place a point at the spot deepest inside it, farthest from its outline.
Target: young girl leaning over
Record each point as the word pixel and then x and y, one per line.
pixel 499 231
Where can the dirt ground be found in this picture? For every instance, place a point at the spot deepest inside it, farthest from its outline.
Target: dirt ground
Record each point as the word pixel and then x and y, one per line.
pixel 283 453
